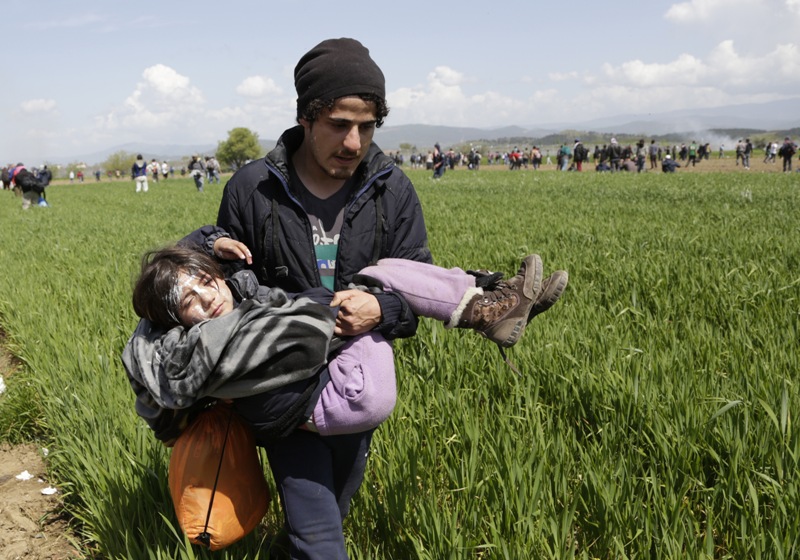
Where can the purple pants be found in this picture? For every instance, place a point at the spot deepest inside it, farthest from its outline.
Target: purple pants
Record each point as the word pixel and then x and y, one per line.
pixel 363 391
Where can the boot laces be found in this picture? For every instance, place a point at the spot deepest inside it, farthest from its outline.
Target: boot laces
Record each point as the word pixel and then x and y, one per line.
pixel 502 291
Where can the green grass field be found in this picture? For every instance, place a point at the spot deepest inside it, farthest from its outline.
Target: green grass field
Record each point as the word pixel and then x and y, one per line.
pixel 653 418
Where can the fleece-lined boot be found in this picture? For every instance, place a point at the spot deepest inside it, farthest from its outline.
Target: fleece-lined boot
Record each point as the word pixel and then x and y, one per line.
pixel 501 312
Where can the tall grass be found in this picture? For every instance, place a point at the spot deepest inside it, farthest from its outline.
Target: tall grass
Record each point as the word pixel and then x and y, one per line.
pixel 653 417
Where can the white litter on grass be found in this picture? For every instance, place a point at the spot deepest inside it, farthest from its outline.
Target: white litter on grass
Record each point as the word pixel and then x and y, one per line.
pixel 24 475
pixel 49 491
pixel 2 385
pixel 45 451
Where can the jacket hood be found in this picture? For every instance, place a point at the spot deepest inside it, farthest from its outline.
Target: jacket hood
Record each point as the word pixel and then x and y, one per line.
pixel 243 284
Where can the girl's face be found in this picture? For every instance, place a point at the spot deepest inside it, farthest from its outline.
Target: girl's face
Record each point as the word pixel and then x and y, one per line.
pixel 202 297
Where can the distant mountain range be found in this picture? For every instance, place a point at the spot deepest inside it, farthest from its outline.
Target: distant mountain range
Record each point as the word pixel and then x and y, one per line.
pixel 777 116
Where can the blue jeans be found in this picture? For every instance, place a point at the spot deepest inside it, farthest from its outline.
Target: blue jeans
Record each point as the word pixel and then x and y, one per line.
pixel 316 478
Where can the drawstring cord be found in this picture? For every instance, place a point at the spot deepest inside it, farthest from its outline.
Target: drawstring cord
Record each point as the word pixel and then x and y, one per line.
pixel 205 537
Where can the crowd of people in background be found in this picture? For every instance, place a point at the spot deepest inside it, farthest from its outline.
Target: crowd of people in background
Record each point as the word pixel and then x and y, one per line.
pixel 613 156
pixel 200 168
pixel 30 182
pixel 154 170
pixel 575 156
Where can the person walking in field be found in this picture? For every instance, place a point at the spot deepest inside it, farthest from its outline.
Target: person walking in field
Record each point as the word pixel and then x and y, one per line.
pixel 613 155
pixel 321 206
pixel 641 155
pixel 787 151
pixel 438 162
pixel 739 152
pixel 5 177
pixel 564 155
pixel 746 153
pixel 45 176
pixel 198 171
pixel 771 152
pixel 213 168
pixel 139 174
pixel 536 157
pixel 154 168
pixel 692 154
pixel 653 153
pixel 325 203
pixel 581 154
pixel 30 187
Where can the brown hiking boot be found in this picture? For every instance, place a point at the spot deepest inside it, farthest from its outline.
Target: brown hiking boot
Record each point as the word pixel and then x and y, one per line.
pixel 500 314
pixel 552 288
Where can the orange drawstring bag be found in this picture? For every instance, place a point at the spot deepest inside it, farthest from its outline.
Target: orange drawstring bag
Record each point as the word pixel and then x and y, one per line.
pixel 216 480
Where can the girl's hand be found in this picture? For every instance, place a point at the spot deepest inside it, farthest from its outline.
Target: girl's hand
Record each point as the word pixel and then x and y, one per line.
pixel 232 250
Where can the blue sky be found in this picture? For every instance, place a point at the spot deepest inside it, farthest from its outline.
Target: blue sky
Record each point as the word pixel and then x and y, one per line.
pixel 85 75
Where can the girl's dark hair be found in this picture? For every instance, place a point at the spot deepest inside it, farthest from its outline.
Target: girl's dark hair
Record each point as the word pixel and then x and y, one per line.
pixel 314 107
pixel 155 293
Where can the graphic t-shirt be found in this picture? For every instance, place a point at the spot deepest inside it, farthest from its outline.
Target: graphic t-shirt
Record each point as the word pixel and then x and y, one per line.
pixel 326 216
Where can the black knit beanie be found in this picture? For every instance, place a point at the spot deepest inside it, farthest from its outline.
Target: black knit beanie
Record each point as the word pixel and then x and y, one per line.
pixel 336 68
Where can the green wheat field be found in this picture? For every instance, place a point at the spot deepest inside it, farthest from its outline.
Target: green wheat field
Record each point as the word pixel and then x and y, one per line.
pixel 654 417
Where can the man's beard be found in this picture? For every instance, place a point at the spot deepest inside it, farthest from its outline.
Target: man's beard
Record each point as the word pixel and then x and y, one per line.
pixel 345 172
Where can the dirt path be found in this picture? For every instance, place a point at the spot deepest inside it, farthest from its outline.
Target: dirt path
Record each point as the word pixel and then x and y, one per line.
pixel 30 526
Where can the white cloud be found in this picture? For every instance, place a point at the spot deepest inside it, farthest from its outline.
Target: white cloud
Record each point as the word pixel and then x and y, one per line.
pixel 168 86
pixel 729 67
pixel 38 106
pixel 723 76
pixel 686 69
pixel 165 104
pixel 793 6
pixel 258 86
pixel 442 100
pixel 728 74
pixel 445 77
pixel 270 118
pixel 163 99
pixel 786 61
pixel 164 107
pixel 704 10
pixel 724 67
pixel 632 86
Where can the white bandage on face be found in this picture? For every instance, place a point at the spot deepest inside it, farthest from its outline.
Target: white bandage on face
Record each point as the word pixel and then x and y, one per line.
pixel 202 297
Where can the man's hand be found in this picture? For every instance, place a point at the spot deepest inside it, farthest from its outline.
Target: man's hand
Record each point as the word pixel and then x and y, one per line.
pixel 232 250
pixel 359 312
